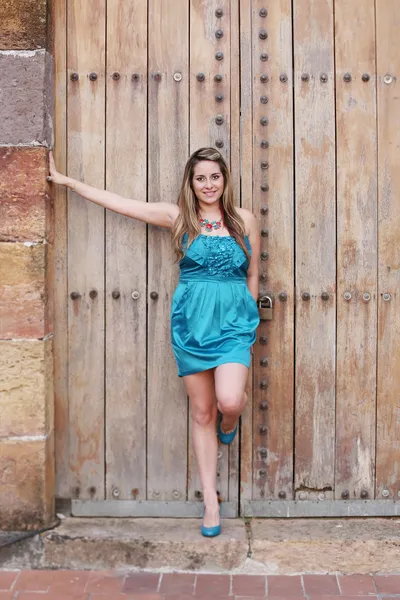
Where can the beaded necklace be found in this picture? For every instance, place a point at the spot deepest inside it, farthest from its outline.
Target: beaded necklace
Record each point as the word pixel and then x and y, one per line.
pixel 210 225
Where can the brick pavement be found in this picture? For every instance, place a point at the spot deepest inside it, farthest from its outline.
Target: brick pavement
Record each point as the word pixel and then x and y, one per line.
pixel 116 585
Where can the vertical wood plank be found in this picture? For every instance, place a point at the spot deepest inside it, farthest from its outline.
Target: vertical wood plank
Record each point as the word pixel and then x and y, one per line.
pixel 204 45
pixel 204 131
pixel 273 204
pixel 86 110
pixel 126 164
pixel 246 167
pixel 60 342
pixel 168 146
pixel 315 247
pixel 357 248
pixel 234 458
pixel 388 411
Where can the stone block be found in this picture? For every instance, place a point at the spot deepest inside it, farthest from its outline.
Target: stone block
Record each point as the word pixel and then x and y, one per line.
pixel 26 101
pixel 23 24
pixel 26 388
pixel 26 210
pixel 26 483
pixel 25 309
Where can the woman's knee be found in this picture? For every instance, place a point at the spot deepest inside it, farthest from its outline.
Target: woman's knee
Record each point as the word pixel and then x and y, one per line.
pixel 203 416
pixel 231 402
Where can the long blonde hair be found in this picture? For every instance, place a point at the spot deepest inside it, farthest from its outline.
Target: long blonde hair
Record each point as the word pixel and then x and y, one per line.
pixel 188 218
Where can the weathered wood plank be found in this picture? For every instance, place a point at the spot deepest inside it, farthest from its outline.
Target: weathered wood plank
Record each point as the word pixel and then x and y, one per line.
pixel 204 131
pixel 356 248
pixel 126 164
pixel 60 342
pixel 315 247
pixel 168 148
pixel 246 164
pixel 204 46
pixel 86 113
pixel 388 410
pixel 273 167
pixel 234 457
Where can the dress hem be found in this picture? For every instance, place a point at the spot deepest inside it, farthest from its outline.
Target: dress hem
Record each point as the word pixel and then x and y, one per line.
pixel 218 364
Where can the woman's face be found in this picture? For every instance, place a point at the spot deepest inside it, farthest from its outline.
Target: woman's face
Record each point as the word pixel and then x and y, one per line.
pixel 208 181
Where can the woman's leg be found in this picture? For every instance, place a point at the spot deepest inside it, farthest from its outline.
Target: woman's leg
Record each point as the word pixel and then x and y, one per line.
pixel 230 383
pixel 203 405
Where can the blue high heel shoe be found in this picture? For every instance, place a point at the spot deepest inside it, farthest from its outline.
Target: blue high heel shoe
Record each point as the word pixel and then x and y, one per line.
pixel 211 531
pixel 225 438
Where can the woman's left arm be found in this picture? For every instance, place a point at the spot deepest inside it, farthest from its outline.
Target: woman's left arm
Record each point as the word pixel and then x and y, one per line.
pixel 254 239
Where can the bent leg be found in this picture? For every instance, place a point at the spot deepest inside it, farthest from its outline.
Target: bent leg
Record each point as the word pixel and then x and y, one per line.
pixel 230 384
pixel 201 391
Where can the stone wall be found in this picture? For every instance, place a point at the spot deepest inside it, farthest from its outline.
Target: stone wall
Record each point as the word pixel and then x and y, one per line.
pixel 26 250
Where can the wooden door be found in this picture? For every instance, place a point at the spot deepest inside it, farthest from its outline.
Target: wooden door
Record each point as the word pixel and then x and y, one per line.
pixel 325 423
pixel 300 97
pixel 148 82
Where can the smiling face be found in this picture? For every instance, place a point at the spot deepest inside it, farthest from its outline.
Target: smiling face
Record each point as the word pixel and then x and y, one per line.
pixel 208 182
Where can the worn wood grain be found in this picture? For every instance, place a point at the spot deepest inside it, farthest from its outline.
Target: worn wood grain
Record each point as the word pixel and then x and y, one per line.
pixel 126 163
pixel 246 143
pixel 234 456
pixel 273 421
pixel 204 131
pixel 168 28
pixel 356 248
pixel 86 120
pixel 388 387
pixel 60 342
pixel 315 247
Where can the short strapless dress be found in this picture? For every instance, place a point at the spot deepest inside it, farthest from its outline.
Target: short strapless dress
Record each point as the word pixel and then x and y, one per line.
pixel 213 315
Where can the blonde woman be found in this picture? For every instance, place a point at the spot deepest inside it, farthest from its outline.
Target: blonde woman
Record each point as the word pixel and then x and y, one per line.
pixel 214 312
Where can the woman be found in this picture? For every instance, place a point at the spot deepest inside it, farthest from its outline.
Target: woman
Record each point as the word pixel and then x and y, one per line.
pixel 214 312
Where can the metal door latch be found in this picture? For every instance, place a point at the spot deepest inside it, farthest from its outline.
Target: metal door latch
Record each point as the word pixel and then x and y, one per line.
pixel 265 308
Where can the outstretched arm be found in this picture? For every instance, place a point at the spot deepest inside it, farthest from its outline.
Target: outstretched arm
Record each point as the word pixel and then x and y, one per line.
pixel 162 214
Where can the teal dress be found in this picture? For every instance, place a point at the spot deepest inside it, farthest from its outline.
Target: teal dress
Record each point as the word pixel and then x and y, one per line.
pixel 213 315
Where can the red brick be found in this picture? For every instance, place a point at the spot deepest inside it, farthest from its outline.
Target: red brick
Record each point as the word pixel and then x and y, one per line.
pixel 321 584
pixel 101 582
pixel 324 597
pixel 356 585
pixel 60 581
pixel 25 207
pixel 219 585
pixel 174 583
pixel 270 598
pixel 69 581
pixel 261 598
pixel 141 583
pixel 139 597
pixel 282 585
pixel 7 579
pixel 191 597
pixel 116 596
pixel 7 596
pixel 58 595
pixel 248 585
pixel 387 584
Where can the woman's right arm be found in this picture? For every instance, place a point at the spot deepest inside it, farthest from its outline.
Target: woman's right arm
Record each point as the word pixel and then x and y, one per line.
pixel 162 214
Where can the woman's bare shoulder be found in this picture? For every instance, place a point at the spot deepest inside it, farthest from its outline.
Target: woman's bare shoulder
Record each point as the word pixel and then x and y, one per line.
pixel 248 218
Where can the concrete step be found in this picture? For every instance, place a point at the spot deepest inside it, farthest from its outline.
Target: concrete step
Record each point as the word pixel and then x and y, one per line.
pixel 264 546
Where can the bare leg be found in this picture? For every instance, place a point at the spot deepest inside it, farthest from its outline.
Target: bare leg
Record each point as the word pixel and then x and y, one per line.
pixel 230 383
pixel 201 392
